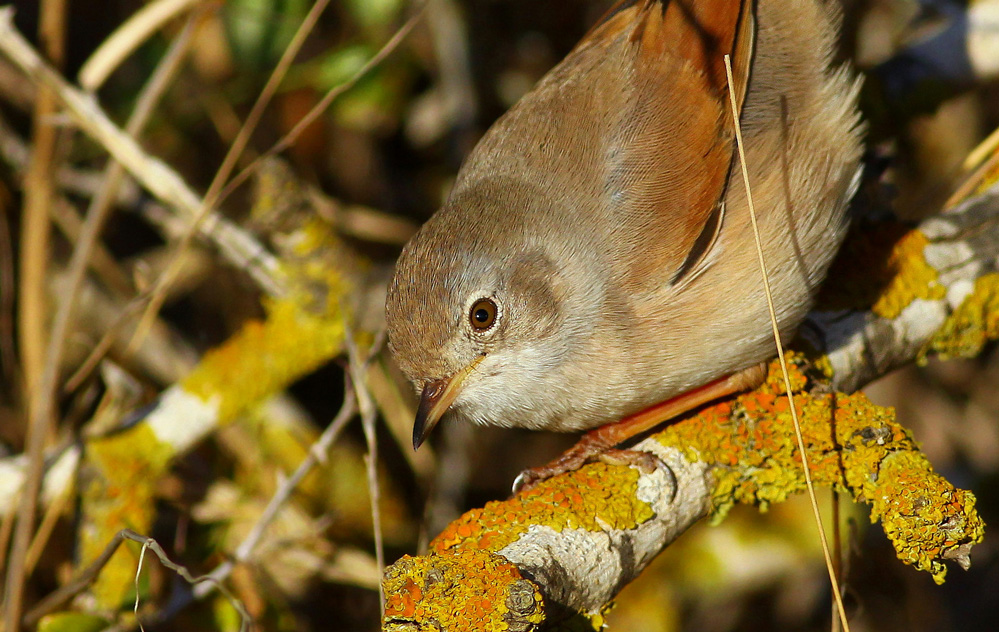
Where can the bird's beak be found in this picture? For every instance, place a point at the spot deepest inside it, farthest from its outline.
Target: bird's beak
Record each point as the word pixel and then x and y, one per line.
pixel 437 397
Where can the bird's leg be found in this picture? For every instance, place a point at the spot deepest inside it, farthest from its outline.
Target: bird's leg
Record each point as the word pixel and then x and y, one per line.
pixel 599 443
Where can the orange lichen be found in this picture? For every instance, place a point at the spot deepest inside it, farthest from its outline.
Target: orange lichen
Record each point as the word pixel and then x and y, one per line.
pixel 853 446
pixel 971 325
pixel 460 590
pixel 595 497
pixel 750 447
pixel 924 516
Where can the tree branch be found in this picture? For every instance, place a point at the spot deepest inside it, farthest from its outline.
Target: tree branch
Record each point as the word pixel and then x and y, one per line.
pixel 561 551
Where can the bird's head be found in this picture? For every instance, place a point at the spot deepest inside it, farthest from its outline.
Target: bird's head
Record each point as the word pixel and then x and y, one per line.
pixel 479 312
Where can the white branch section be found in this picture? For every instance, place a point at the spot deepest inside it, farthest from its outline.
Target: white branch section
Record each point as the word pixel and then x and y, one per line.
pixel 861 346
pixel 181 419
pixel 584 569
pixel 58 477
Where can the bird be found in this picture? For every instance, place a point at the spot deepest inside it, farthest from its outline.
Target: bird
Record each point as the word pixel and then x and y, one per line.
pixel 593 267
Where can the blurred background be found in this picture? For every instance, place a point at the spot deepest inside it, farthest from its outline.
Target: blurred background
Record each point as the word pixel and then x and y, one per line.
pixel 374 165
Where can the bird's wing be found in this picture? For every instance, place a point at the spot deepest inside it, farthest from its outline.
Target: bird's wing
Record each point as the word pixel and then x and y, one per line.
pixel 669 144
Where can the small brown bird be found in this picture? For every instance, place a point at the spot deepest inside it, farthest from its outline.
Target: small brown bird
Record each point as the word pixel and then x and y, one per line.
pixel 595 257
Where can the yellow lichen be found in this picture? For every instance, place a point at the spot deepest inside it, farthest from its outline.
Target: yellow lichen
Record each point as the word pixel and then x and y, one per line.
pixel 260 360
pixel 303 329
pixel 118 494
pixel 914 278
pixel 265 357
pixel 822 364
pixel 579 622
pixel 880 267
pixel 853 446
pixel 971 325
pixel 923 515
pixel 465 589
pixel 595 497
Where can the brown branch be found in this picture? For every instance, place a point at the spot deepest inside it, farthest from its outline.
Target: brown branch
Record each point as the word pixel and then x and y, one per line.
pixel 33 312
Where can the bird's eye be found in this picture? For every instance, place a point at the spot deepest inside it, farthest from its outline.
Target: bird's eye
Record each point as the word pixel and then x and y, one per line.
pixel 482 316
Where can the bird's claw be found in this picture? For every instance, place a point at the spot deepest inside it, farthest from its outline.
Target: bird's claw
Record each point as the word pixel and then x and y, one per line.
pixel 578 456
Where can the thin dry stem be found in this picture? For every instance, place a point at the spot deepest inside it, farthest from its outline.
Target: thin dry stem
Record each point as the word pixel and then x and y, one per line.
pixel 317 454
pixel 980 153
pixel 837 554
pixel 159 291
pixel 104 344
pixel 38 194
pixel 289 139
pixel 7 280
pixel 973 181
pixel 154 546
pixel 138 574
pixel 236 245
pixel 6 530
pixel 33 314
pixel 132 33
pixel 834 581
pixel 358 369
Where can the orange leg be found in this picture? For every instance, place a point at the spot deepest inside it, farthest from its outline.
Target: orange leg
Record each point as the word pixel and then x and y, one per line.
pixel 600 442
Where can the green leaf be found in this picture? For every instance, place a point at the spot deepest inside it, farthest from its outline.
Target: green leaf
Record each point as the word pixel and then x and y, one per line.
pixel 260 30
pixel 374 13
pixel 72 622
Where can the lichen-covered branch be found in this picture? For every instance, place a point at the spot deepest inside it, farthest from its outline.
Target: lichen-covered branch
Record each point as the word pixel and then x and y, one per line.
pixel 302 330
pixel 898 295
pixel 577 539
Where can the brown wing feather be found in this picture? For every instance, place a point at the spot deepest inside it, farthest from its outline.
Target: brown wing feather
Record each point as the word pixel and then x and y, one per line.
pixel 631 131
pixel 670 148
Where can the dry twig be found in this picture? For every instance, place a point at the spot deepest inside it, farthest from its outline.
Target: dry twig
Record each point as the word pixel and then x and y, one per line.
pixel 33 316
pixel 317 455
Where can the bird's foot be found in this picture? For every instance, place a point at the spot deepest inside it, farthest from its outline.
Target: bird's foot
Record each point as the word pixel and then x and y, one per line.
pixel 600 443
pixel 592 447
